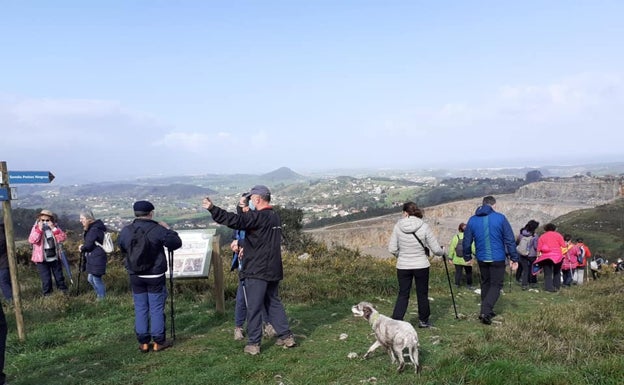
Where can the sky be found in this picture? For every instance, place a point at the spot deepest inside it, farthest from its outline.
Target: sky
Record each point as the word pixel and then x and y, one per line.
pixel 107 90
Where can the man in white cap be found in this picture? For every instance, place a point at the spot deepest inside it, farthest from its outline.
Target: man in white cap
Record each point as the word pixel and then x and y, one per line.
pixel 262 266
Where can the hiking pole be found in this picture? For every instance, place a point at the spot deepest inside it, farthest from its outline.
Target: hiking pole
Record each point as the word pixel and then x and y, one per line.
pixel 173 336
pixel 448 277
pixel 79 272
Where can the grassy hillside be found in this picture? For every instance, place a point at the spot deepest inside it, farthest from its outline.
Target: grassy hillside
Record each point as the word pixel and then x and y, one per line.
pixel 570 337
pixel 601 228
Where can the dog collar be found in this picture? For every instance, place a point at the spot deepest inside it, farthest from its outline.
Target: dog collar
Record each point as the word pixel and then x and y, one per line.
pixel 374 318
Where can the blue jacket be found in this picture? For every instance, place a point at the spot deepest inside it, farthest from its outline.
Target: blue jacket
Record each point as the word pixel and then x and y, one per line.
pixel 492 235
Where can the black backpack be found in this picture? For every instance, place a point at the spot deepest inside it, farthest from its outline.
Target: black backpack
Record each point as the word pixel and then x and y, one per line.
pixel 140 256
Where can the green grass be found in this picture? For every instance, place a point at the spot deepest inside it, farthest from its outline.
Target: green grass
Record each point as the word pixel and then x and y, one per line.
pixel 571 337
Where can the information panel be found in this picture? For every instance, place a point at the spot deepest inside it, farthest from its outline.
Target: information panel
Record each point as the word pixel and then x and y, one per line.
pixel 193 259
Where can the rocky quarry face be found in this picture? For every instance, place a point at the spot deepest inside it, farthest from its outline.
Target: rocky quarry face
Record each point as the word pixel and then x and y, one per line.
pixel 541 201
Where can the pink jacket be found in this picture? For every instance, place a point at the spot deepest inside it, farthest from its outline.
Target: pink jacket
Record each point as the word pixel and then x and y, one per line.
pixel 550 246
pixel 36 239
pixel 570 257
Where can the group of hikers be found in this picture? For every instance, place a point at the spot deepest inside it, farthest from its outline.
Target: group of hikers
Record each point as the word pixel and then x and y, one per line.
pixel 487 237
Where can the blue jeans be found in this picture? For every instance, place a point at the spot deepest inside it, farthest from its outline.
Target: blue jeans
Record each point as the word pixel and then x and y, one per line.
pixel 98 285
pixel 421 278
pixel 263 295
pixel 5 284
pixel 150 297
pixel 492 277
pixel 46 270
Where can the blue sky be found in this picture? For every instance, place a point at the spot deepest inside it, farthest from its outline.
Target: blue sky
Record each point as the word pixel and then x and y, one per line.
pixel 97 90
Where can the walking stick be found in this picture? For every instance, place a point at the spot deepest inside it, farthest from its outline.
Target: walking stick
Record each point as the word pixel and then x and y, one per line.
pixel 173 336
pixel 450 286
pixel 79 272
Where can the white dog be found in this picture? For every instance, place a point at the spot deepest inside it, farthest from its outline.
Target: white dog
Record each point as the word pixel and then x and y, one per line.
pixel 392 334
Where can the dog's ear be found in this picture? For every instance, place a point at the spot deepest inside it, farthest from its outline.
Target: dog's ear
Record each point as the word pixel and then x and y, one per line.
pixel 368 310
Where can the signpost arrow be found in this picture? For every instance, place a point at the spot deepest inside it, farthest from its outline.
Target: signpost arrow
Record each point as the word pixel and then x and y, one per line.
pixel 30 177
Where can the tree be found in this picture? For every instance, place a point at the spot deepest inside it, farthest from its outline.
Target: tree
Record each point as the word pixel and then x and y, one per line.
pixel 533 176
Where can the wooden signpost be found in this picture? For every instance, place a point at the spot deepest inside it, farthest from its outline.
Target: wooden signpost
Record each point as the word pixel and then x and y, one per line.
pixel 6 194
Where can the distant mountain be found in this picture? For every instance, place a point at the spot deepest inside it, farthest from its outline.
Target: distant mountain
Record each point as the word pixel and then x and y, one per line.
pixel 281 175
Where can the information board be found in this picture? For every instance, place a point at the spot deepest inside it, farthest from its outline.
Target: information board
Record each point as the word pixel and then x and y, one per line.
pixel 193 259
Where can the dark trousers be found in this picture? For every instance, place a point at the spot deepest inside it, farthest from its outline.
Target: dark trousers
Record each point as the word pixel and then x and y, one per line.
pixel 421 278
pixel 46 270
pixel 492 276
pixel 459 269
pixel 552 275
pixel 527 277
pixel 5 284
pixel 3 338
pixel 263 295
pixel 567 277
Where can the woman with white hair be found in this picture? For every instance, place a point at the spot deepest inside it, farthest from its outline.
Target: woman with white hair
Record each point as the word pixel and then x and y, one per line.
pixel 94 254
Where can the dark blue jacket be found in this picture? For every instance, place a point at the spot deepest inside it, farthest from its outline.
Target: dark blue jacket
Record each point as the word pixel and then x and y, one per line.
pixel 94 254
pixel 263 241
pixel 159 238
pixel 492 235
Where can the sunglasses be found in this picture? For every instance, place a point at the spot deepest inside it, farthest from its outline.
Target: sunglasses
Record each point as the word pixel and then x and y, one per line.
pixel 46 220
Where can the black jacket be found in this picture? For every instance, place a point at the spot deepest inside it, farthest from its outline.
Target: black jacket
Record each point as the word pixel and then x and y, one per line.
pixel 94 254
pixel 4 258
pixel 159 238
pixel 262 258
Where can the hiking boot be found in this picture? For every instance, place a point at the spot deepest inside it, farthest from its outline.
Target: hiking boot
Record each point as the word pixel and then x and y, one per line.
pixel 238 334
pixel 286 342
pixel 269 331
pixel 253 349
pixel 424 325
pixel 144 348
pixel 160 347
pixel 485 319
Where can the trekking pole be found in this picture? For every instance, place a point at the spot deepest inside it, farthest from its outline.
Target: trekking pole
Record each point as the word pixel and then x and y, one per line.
pixel 79 272
pixel 173 336
pixel 448 277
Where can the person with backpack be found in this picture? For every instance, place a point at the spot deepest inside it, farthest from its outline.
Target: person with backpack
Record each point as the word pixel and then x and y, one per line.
pixel 527 250
pixel 94 254
pixel 262 265
pixel 570 260
pixel 456 256
pixel 143 243
pixel 493 240
pixel 44 237
pixel 550 246
pixel 584 256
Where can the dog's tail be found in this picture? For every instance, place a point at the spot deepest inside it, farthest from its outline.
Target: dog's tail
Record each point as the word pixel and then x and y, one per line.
pixel 413 354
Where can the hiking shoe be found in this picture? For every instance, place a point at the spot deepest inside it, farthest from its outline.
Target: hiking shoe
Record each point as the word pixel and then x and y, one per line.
pixel 424 325
pixel 238 334
pixel 485 319
pixel 160 347
pixel 286 342
pixel 144 348
pixel 269 331
pixel 253 349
